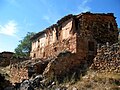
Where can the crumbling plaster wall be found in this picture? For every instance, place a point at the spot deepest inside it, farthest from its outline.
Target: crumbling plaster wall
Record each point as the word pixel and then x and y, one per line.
pixel 66 28
pixel 54 41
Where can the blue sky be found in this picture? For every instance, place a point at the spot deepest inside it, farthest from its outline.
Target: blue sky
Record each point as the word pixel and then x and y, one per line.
pixel 17 17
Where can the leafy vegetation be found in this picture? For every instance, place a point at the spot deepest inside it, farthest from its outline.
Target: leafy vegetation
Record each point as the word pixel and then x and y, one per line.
pixel 24 48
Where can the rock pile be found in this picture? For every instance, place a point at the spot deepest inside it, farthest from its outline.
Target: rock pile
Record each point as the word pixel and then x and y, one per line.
pixel 36 82
pixel 107 58
pixel 57 68
pixel 24 70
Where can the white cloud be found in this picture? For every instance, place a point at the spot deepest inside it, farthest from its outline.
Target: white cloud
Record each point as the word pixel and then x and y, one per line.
pixel 83 7
pixel 10 28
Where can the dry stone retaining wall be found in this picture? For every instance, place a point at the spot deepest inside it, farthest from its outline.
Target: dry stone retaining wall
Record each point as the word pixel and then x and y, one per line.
pixel 107 58
pixel 18 73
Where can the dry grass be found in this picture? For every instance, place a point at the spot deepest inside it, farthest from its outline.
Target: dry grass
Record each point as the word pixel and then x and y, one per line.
pixel 91 81
pixel 97 81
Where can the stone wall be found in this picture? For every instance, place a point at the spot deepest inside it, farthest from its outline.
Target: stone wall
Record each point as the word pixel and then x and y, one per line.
pixel 85 31
pixel 103 27
pixel 54 40
pixel 86 47
pixel 65 45
pixel 25 69
pixel 53 49
pixel 107 58
pixel 4 62
pixel 18 73
pixel 5 58
pixel 64 63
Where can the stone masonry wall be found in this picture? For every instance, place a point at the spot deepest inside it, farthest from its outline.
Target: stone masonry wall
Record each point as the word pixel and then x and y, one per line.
pixel 107 59
pixel 57 47
pixel 22 70
pixel 103 27
pixel 5 58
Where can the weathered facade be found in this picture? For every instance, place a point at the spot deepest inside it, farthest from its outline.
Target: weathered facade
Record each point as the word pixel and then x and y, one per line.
pixel 75 33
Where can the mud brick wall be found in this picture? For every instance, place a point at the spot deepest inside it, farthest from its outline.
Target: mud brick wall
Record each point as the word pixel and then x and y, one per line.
pixel 107 59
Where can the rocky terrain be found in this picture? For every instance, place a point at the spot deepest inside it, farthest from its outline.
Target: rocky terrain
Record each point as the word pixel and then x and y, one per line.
pixel 103 74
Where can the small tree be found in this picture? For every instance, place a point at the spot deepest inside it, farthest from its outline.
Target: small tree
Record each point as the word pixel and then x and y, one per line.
pixel 24 48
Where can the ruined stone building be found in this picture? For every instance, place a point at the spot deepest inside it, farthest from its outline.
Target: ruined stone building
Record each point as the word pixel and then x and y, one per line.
pixel 77 34
pixel 69 44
